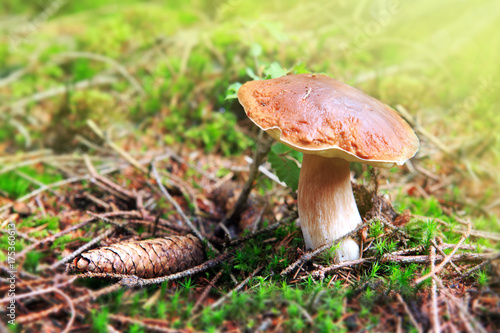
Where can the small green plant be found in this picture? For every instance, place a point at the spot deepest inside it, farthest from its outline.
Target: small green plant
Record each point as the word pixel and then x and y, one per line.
pixel 400 279
pixel 32 261
pixel 482 278
pixel 188 285
pixel 100 320
pixel 376 229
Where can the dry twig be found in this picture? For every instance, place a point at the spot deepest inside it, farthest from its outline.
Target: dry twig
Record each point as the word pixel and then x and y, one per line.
pixel 204 295
pixel 133 281
pixel 410 315
pixel 311 254
pixel 237 288
pixel 56 308
pixel 437 269
pixel 264 144
pixel 179 209
pixel 436 326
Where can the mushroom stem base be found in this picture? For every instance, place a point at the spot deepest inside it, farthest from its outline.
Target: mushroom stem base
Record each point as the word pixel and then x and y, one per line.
pixel 327 208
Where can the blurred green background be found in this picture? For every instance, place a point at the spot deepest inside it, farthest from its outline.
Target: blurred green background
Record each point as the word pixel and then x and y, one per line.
pixel 159 71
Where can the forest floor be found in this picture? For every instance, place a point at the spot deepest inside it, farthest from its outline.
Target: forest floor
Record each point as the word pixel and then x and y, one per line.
pixel 115 127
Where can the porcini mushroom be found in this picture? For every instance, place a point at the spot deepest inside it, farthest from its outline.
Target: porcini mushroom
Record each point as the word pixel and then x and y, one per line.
pixel 333 124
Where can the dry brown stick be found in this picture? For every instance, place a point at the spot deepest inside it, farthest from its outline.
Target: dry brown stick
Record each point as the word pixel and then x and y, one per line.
pixel 321 272
pixel 474 233
pixel 410 315
pixel 458 304
pixel 72 228
pixel 485 234
pixel 200 268
pixel 166 226
pixel 418 248
pixel 56 308
pixel 43 189
pixel 467 247
pixel 472 257
pixel 167 195
pixel 436 326
pixel 264 230
pixel 473 269
pixel 52 238
pixel 132 281
pixel 311 254
pixel 112 222
pixel 71 307
pixel 24 155
pixel 38 292
pixel 42 95
pixel 438 248
pixel 104 180
pixel 20 234
pixel 466 257
pixel 115 147
pixel 447 258
pixel 204 295
pixel 148 326
pixel 112 329
pixel 237 288
pixel 194 167
pixel 56 184
pixel 35 181
pixel 37 160
pixel 73 180
pixel 99 57
pixel 264 144
pixel 97 201
pixel 52 290
pixel 82 249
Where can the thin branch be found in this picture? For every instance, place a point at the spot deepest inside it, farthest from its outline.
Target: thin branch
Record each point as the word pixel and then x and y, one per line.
pixel 151 327
pixel 93 56
pixel 410 315
pixel 56 308
pixel 263 147
pixel 237 288
pixel 93 126
pixel 82 249
pixel 70 229
pixel 204 295
pixel 112 222
pixel 71 307
pixel 133 281
pixel 447 258
pixel 35 181
pixel 436 326
pixel 263 230
pixel 72 180
pixel 321 272
pixel 311 254
pixel 104 180
pixel 460 306
pixel 473 269
pixel 438 248
pixel 167 195
pixel 466 257
pixel 40 96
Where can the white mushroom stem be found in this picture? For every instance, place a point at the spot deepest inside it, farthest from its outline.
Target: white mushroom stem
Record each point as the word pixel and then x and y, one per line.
pixel 327 208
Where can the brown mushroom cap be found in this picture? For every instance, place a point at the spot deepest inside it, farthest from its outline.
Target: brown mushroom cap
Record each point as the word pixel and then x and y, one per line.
pixel 316 114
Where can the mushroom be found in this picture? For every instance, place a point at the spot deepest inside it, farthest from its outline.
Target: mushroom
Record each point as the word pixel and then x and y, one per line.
pixel 333 124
